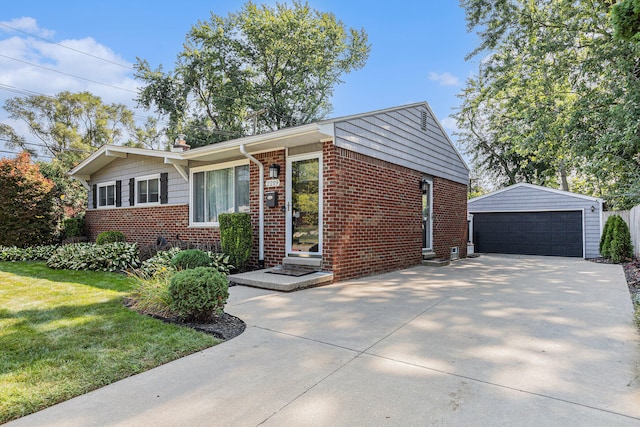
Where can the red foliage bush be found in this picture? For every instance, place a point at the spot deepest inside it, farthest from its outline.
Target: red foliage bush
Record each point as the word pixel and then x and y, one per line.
pixel 26 203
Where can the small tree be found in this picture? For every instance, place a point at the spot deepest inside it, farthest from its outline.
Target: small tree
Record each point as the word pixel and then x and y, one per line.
pixel 26 203
pixel 615 242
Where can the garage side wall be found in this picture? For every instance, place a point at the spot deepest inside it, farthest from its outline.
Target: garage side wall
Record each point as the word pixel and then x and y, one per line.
pixel 526 199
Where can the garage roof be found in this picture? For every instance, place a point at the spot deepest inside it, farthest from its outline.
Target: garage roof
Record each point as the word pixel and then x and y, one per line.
pixel 536 187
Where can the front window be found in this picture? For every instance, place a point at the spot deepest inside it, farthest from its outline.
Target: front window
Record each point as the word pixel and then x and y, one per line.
pixel 219 191
pixel 107 194
pixel 147 190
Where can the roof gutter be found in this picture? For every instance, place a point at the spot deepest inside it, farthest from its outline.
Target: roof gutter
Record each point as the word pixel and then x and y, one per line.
pixel 261 204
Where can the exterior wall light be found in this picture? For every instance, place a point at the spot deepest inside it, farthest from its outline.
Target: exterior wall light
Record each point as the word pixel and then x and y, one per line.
pixel 424 185
pixel 274 171
pixel 593 208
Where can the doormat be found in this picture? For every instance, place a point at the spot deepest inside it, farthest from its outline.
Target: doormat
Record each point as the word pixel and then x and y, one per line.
pixel 290 270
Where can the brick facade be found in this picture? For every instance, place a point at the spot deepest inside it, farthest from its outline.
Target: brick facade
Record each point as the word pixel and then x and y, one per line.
pixel 144 225
pixel 371 211
pixel 373 215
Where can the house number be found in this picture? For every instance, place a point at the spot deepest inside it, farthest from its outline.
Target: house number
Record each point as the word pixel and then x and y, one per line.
pixel 272 183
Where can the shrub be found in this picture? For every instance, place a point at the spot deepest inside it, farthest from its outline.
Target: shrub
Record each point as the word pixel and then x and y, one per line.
pixel 615 242
pixel 73 227
pixel 190 258
pixel 236 238
pixel 607 235
pixel 620 247
pixel 119 256
pixel 110 237
pixel 27 208
pixel 199 293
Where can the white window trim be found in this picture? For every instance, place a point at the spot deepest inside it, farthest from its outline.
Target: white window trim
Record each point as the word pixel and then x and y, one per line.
pixel 137 193
pixel 102 185
pixel 207 168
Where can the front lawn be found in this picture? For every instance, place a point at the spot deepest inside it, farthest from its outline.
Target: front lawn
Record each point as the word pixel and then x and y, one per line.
pixel 64 333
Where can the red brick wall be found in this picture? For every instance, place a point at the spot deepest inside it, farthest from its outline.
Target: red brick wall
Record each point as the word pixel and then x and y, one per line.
pixel 144 225
pixel 372 215
pixel 274 218
pixel 449 217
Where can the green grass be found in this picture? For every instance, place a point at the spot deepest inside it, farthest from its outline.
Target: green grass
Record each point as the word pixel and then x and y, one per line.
pixel 64 333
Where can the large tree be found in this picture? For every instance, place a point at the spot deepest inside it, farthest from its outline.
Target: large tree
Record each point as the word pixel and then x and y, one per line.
pixel 68 126
pixel 263 68
pixel 558 90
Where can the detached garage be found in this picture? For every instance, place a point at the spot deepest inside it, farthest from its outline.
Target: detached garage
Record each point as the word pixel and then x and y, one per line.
pixel 529 219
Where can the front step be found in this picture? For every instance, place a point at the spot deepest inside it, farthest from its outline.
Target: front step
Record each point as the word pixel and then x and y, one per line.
pixel 278 282
pixel 427 254
pixel 436 262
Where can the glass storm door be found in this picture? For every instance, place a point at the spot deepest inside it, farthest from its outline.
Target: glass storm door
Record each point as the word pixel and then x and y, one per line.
pixel 426 216
pixel 304 205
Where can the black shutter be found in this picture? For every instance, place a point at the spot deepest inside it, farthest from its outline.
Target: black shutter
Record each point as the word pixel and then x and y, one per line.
pixel 118 194
pixel 132 191
pixel 94 190
pixel 164 188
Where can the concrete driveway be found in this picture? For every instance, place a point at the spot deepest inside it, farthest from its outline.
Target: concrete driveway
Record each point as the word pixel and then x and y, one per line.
pixel 496 340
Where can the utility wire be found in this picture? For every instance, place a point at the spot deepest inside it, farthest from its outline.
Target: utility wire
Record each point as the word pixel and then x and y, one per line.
pixel 67 74
pixel 66 47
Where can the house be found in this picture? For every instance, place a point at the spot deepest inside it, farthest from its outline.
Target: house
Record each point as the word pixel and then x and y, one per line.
pixel 534 220
pixel 355 195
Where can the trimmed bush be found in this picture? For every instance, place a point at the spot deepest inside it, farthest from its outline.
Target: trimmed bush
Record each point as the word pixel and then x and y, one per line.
pixel 110 237
pixel 73 227
pixel 119 256
pixel 236 238
pixel 199 293
pixel 615 242
pixel 190 258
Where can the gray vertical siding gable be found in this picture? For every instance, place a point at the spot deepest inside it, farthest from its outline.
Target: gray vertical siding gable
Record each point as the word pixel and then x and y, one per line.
pixel 396 136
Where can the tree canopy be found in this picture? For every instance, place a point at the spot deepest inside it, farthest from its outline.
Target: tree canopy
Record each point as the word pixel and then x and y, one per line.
pixel 555 99
pixel 260 69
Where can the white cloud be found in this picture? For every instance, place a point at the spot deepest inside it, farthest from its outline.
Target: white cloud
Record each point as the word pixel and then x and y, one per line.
pixel 444 79
pixel 26 24
pixel 449 124
pixel 31 64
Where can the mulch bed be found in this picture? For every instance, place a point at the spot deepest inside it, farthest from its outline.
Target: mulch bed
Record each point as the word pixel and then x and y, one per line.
pixel 224 326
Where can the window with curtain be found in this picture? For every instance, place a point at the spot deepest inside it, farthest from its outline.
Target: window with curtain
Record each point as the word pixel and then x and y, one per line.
pixel 219 191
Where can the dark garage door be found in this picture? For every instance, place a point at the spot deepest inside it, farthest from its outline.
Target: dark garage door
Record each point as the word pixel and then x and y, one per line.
pixel 529 233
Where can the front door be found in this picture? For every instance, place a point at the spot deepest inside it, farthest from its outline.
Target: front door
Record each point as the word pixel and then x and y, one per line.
pixel 304 205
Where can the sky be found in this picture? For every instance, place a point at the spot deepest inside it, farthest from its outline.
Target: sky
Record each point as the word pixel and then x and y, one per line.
pixel 418 50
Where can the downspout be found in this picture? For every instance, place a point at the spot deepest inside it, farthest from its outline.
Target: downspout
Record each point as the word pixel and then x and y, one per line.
pixel 261 210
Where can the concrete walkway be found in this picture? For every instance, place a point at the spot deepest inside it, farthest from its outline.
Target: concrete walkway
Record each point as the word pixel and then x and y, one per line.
pixel 496 340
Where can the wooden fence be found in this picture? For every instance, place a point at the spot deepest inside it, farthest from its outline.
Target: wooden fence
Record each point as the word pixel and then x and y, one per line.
pixel 632 218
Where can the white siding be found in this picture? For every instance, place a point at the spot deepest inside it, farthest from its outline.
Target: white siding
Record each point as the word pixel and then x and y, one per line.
pixel 135 166
pixel 528 199
pixel 397 137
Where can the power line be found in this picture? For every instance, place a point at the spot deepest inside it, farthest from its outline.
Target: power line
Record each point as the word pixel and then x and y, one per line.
pixel 67 74
pixel 66 47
